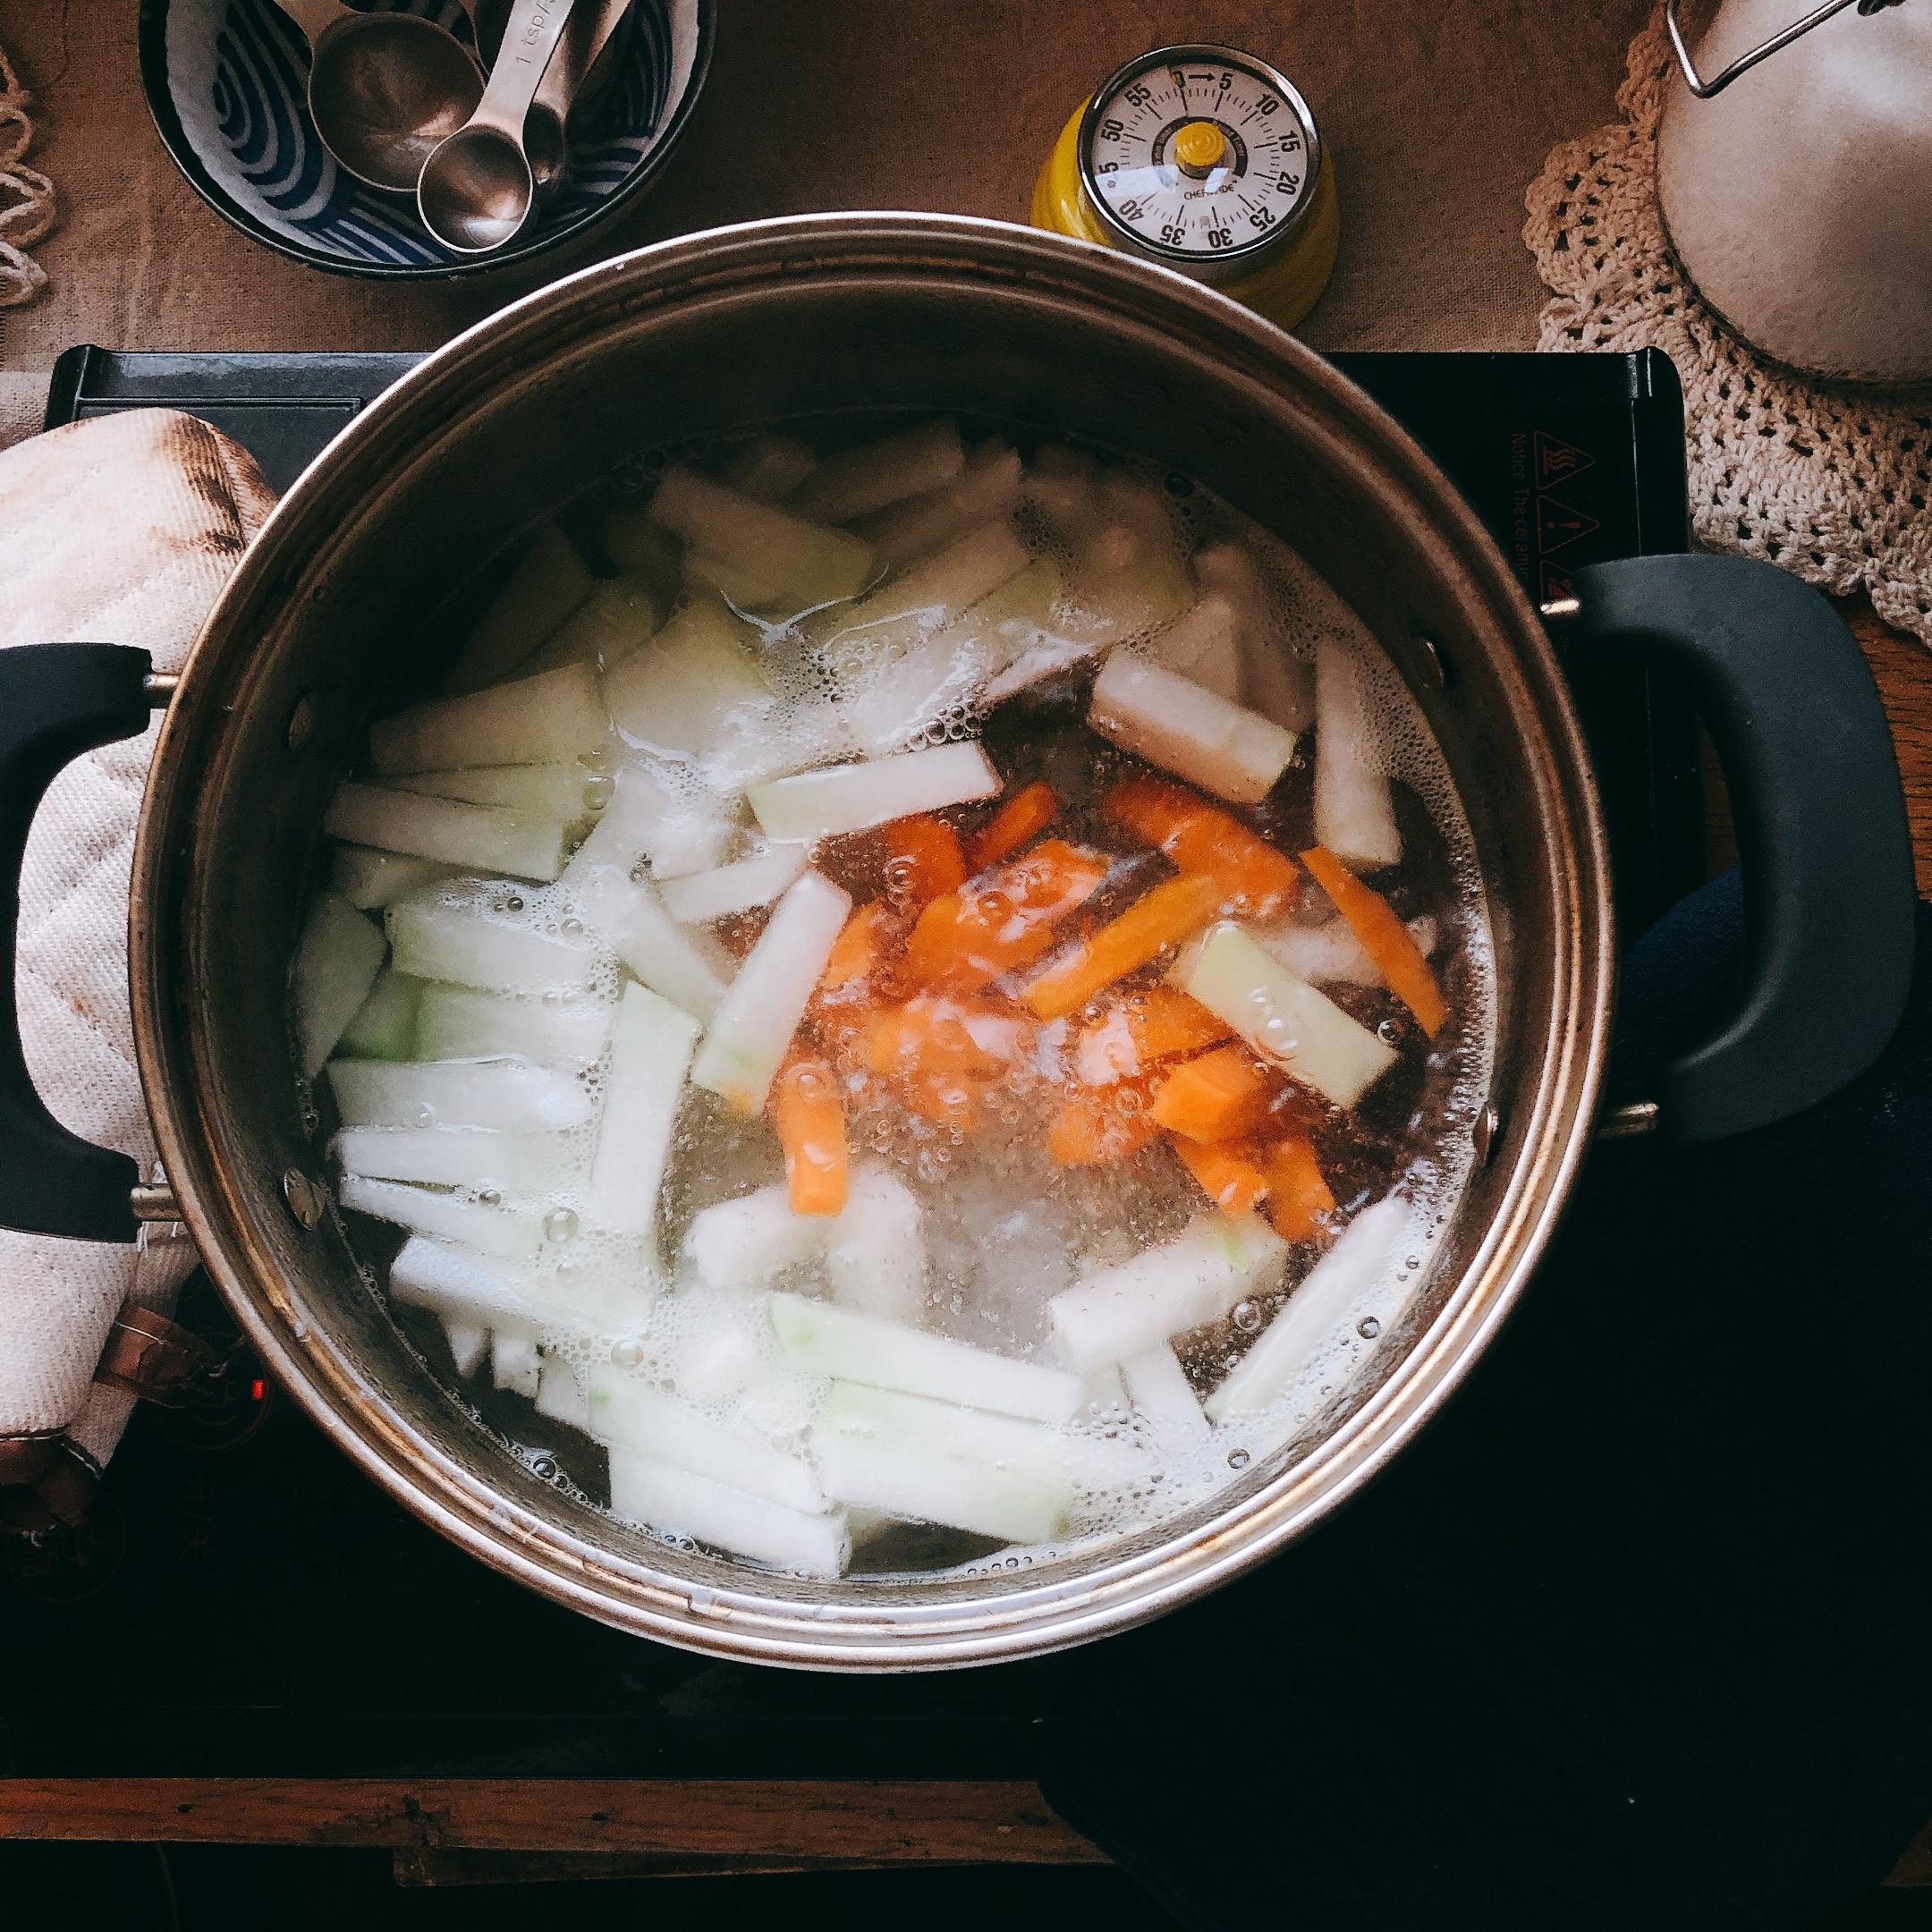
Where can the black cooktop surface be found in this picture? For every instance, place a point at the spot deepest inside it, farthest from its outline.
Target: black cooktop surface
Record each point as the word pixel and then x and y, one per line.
pixel 244 1602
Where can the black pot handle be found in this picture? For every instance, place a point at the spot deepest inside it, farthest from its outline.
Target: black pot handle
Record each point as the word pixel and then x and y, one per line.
pixel 1822 835
pixel 56 701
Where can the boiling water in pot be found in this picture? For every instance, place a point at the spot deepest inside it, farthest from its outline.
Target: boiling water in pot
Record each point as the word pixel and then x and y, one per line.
pixel 907 1007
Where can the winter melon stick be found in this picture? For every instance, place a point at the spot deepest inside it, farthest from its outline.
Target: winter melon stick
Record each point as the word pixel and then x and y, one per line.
pixel 876 1260
pixel 1354 813
pixel 752 1027
pixel 929 593
pixel 556 715
pixel 770 467
pixel 660 816
pixel 633 1413
pixel 1367 1254
pixel 650 1054
pixel 1158 1387
pixel 677 1502
pixel 509 1234
pixel 560 1395
pixel 458 1022
pixel 811 559
pixel 1281 1016
pixel 688 968
pixel 987 486
pixel 826 1340
pixel 1189 730
pixel 897 664
pixel 855 482
pixel 550 581
pixel 698 898
pixel 523 1161
pixel 372 879
pixel 746 1241
pixel 564 789
pixel 456 1093
pixel 1197 1277
pixel 437 940
pixel 1202 644
pixel 618 617
pixel 465 1287
pixel 385 1025
pixel 336 961
pixel 695 691
pixel 850 798
pixel 923 1427
pixel 1020 1503
pixel 491 839
pixel 516 1364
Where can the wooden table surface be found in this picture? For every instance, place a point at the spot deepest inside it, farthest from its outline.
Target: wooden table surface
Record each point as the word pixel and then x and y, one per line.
pixel 1904 668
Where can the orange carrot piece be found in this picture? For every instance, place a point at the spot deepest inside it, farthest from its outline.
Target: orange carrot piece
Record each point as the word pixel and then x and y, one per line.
pixel 860 948
pixel 1004 919
pixel 1028 812
pixel 1196 836
pixel 942 1055
pixel 1091 1128
pixel 1299 1199
pixel 933 1034
pixel 808 1115
pixel 1385 938
pixel 1220 1095
pixel 923 859
pixel 1158 919
pixel 1152 1024
pixel 1228 1173
pixel 947 1100
pixel 1165 1022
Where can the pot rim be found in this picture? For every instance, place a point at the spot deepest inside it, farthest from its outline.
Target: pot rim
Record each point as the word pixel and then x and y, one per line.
pixel 735 1620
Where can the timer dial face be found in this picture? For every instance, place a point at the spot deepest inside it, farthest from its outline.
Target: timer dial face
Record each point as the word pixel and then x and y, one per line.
pixel 1199 154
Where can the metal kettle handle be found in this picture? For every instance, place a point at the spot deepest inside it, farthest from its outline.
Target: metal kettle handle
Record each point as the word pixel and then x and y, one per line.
pixel 1703 89
pixel 1823 839
pixel 56 701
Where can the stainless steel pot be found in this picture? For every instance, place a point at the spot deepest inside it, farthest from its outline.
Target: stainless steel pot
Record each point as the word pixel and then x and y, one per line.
pixel 788 320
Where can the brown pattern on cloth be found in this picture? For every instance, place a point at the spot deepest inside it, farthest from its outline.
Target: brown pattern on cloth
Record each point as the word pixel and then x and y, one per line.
pixel 119 531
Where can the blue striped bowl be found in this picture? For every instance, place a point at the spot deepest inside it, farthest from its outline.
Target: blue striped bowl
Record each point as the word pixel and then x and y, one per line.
pixel 227 82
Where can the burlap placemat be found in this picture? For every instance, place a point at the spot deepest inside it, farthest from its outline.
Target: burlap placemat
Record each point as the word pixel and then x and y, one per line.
pixel 1437 115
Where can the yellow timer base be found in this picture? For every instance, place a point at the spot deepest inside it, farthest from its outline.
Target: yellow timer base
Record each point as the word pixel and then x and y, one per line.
pixel 1208 161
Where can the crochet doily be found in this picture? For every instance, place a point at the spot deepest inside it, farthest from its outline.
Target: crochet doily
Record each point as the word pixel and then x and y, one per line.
pixel 26 195
pixel 1831 482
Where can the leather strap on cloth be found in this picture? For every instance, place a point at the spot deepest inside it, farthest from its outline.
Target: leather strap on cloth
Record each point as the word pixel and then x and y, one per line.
pixel 156 1359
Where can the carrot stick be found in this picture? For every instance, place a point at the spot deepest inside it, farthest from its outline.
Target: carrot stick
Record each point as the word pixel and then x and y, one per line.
pixel 1003 919
pixel 942 1055
pixel 1090 1129
pixel 1300 1199
pixel 923 859
pixel 1027 811
pixel 1385 938
pixel 932 1033
pixel 1152 1024
pixel 1221 1096
pixel 1160 918
pixel 1228 1175
pixel 1198 837
pixel 860 948
pixel 809 1118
